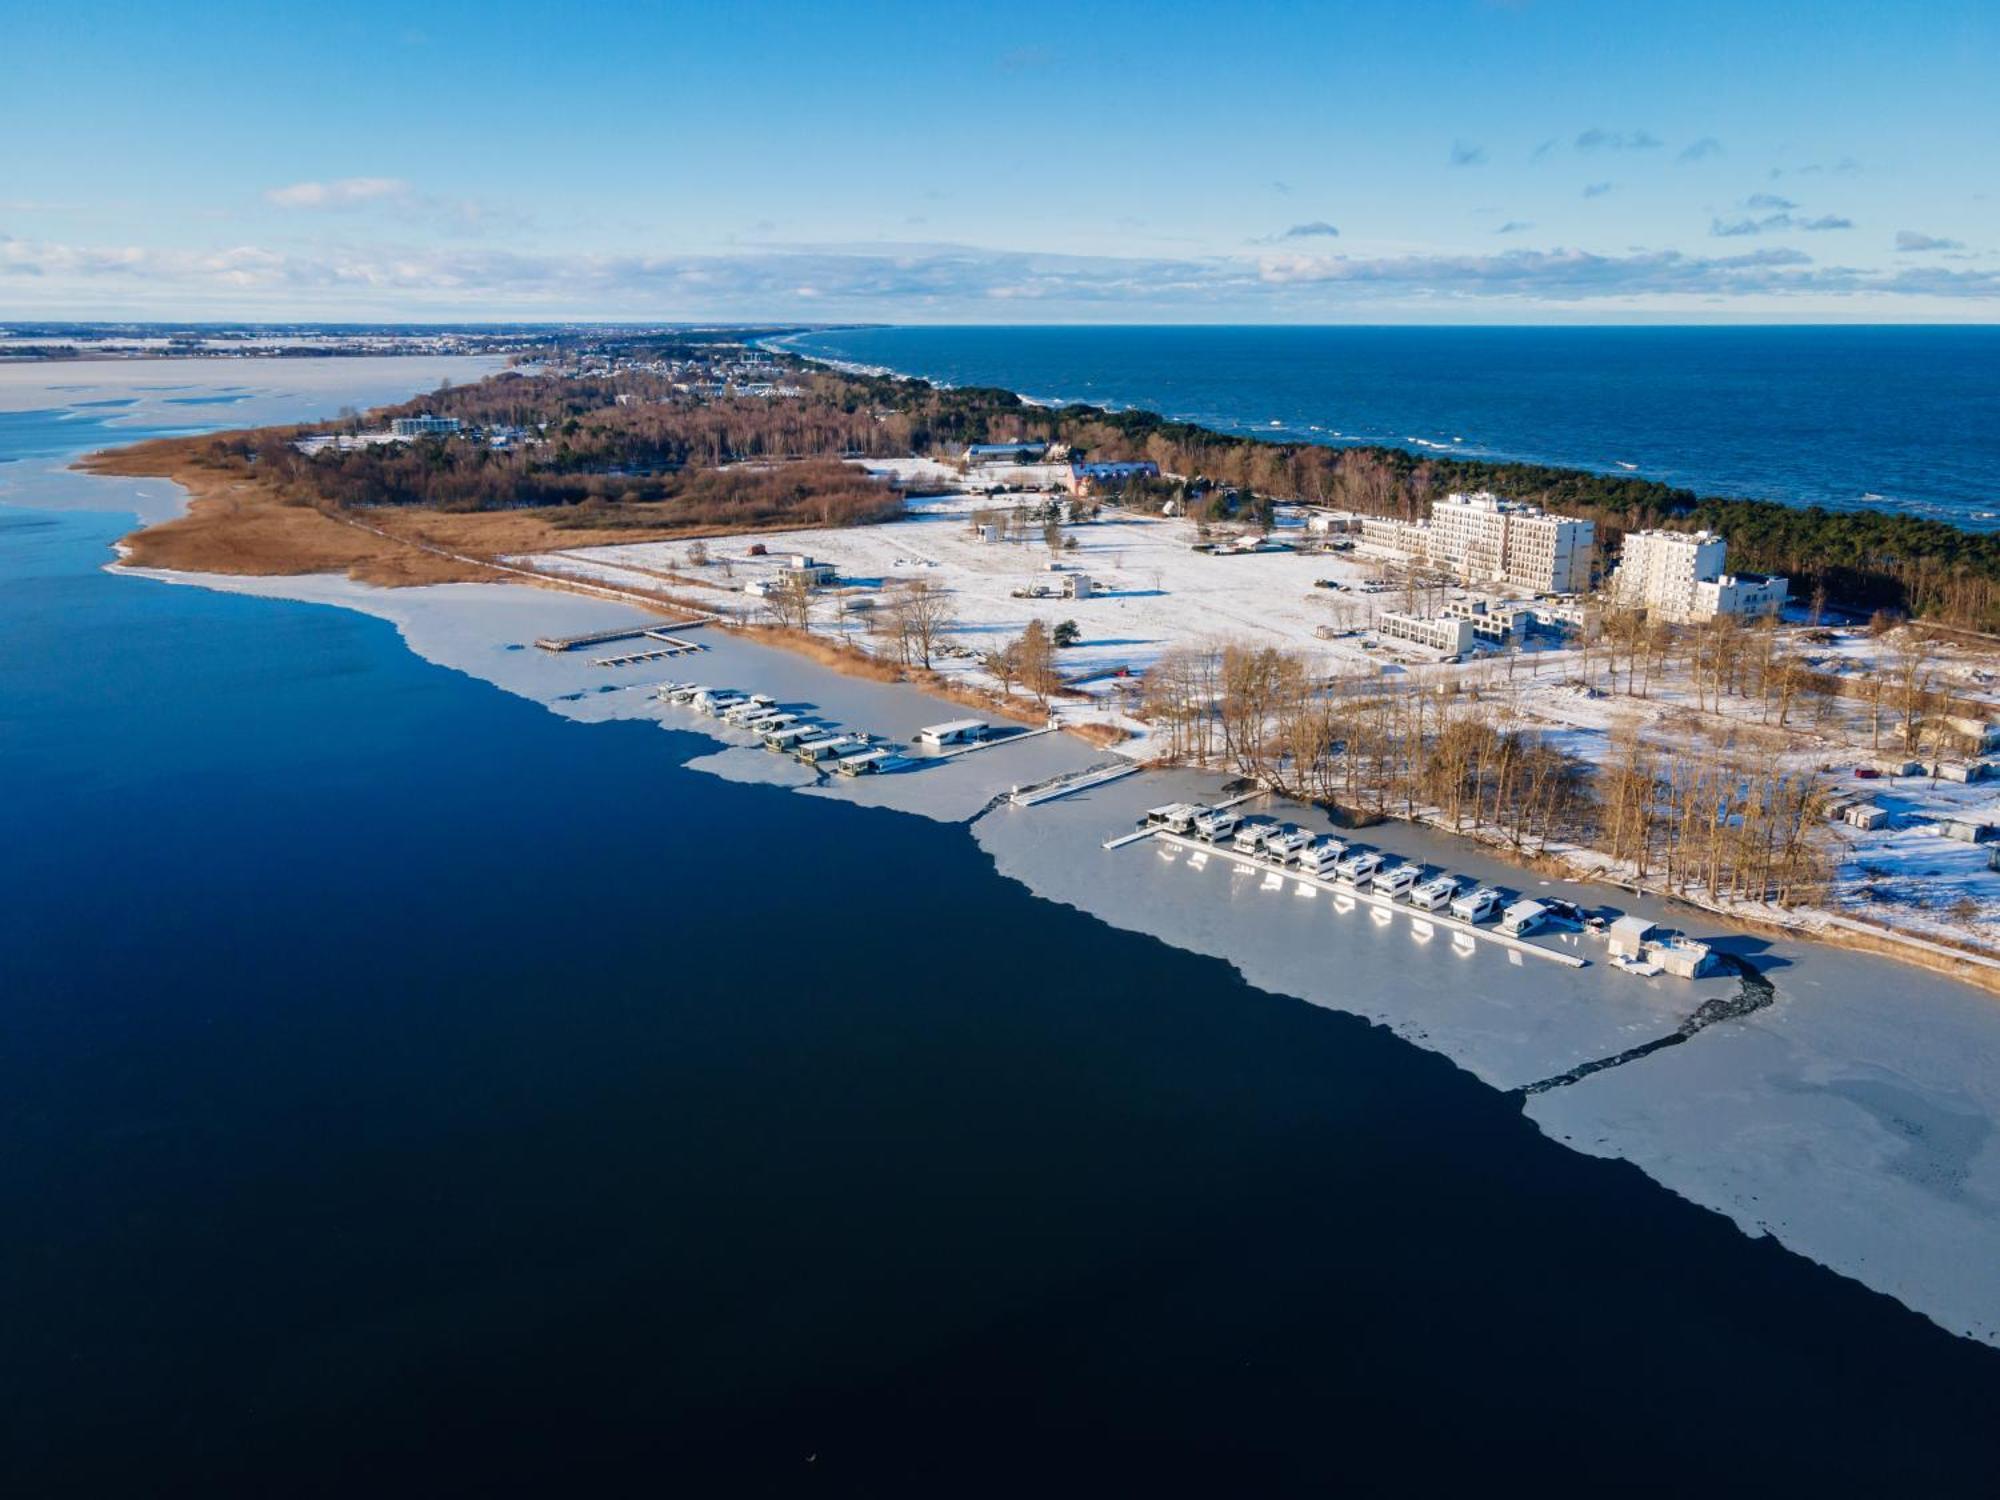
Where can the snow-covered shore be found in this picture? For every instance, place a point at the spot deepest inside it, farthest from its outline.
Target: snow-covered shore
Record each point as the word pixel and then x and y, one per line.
pixel 1852 1119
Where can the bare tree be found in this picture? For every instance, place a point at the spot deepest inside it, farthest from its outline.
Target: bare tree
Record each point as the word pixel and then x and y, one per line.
pixel 791 601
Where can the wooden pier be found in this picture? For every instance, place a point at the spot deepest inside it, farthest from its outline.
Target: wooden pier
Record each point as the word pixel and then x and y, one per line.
pixel 670 645
pixel 561 643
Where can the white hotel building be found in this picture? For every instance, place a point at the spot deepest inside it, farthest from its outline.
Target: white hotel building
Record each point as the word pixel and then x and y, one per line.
pixel 1678 576
pixel 1482 539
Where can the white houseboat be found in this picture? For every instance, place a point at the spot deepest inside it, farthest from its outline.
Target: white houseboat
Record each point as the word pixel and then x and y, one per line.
pixel 1359 867
pixel 1215 825
pixel 1435 892
pixel 1476 906
pixel 1394 883
pixel 957 732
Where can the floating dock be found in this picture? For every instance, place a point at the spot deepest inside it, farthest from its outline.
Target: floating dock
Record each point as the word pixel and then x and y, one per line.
pixel 1062 786
pixel 670 645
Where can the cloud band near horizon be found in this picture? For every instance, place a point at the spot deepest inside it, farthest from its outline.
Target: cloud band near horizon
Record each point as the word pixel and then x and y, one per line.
pixel 880 281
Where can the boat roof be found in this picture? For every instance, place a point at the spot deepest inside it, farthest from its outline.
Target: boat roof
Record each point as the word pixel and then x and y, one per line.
pixel 953 726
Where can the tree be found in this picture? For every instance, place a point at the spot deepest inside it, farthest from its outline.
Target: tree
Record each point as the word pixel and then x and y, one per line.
pixel 1066 635
pixel 917 614
pixel 1034 656
pixel 791 601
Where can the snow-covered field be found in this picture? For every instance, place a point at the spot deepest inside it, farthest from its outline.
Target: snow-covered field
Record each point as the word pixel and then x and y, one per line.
pixel 1150 589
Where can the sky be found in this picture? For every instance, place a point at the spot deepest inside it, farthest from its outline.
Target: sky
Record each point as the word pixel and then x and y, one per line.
pixel 1439 161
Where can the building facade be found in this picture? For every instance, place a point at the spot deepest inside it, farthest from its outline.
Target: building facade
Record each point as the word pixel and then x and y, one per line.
pixel 1445 634
pixel 1678 576
pixel 425 426
pixel 1483 539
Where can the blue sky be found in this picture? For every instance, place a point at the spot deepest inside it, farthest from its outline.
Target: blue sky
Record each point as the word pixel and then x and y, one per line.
pixel 1425 161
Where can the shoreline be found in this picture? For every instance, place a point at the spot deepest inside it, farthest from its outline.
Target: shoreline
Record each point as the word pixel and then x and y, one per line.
pixel 1863 501
pixel 259 534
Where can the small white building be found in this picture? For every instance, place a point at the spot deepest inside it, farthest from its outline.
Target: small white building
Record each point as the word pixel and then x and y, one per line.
pixel 1865 815
pixel 1524 917
pixel 816 574
pixel 1446 635
pixel 1629 936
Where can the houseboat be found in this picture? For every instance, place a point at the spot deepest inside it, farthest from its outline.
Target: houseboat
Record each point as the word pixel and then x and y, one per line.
pixel 812 750
pixel 1175 817
pixel 1251 835
pixel 1394 883
pixel 1524 917
pixel 867 763
pixel 957 732
pixel 1319 859
pixel 1435 892
pixel 790 736
pixel 1286 844
pixel 1215 825
pixel 1476 906
pixel 1359 867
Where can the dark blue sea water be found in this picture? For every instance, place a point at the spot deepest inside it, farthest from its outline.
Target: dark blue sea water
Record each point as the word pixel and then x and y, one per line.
pixel 384 1110
pixel 1899 418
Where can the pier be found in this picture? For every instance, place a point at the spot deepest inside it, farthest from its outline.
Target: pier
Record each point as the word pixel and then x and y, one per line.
pixel 1062 786
pixel 670 645
pixel 562 643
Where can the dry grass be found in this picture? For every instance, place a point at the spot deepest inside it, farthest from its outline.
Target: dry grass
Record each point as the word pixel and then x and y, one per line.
pixel 958 692
pixel 849 661
pixel 237 525
pixel 852 661
pixel 1099 733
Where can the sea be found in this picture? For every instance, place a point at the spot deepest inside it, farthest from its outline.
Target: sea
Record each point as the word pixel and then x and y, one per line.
pixel 1901 419
pixel 405 1090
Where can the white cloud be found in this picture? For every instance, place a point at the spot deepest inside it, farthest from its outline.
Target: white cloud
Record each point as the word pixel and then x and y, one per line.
pixel 347 192
pixel 915 281
pixel 1910 239
pixel 1599 139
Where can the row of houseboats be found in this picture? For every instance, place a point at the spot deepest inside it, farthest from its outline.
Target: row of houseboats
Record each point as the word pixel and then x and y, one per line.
pixel 1328 858
pixel 1637 945
pixel 849 752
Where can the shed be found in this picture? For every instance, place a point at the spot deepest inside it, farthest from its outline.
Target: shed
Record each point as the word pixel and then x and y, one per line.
pixel 1076 585
pixel 1629 936
pixel 1966 830
pixel 1899 765
pixel 1867 815
pixel 1523 917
